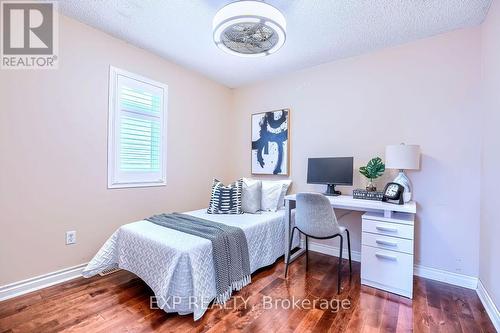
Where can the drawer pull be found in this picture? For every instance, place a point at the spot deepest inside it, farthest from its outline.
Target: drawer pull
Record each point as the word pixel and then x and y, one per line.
pixel 385 256
pixel 386 229
pixel 386 243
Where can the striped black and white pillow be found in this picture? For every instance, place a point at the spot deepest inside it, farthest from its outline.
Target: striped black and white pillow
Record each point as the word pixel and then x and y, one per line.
pixel 226 199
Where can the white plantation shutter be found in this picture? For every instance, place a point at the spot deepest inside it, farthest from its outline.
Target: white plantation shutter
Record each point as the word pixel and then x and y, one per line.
pixel 137 125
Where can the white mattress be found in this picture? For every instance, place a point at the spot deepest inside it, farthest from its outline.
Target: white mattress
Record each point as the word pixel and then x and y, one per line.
pixel 179 267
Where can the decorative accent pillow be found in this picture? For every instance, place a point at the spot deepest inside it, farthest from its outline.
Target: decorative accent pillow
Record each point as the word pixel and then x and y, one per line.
pixel 251 195
pixel 225 199
pixel 285 185
pixel 271 193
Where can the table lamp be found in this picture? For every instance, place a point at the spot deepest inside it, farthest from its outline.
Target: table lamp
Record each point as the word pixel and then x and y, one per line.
pixel 403 157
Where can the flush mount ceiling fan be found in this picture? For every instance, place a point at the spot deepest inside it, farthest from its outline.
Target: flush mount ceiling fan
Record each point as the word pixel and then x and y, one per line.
pixel 249 29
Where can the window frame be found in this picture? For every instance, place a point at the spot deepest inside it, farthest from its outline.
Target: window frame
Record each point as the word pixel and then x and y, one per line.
pixel 114 114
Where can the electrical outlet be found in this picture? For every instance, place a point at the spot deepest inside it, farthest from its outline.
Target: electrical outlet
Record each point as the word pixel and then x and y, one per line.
pixel 70 237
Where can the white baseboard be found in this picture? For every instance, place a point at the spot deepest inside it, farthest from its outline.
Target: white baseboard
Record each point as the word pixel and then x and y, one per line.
pixel 334 251
pixel 460 280
pixel 40 282
pixel 489 305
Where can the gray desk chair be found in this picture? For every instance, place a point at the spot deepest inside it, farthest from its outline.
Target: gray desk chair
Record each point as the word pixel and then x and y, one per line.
pixel 314 217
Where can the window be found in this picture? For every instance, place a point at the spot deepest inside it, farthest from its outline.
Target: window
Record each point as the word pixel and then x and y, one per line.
pixel 137 131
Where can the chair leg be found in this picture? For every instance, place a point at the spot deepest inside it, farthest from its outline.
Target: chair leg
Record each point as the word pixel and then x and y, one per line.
pixel 349 250
pixel 340 264
pixel 307 252
pixel 289 253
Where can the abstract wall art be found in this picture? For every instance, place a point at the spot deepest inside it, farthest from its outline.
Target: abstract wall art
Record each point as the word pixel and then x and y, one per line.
pixel 270 143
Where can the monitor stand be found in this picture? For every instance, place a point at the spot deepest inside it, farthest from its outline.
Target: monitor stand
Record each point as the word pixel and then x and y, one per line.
pixel 330 190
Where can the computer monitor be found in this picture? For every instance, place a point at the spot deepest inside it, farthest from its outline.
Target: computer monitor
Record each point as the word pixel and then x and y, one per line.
pixel 330 171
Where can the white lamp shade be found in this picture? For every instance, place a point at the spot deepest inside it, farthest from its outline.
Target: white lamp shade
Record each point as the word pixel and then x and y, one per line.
pixel 404 157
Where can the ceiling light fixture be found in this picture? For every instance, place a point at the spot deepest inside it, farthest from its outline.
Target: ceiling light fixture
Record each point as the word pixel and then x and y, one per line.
pixel 249 29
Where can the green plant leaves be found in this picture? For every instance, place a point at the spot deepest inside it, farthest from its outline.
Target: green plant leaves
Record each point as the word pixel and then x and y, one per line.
pixel 374 169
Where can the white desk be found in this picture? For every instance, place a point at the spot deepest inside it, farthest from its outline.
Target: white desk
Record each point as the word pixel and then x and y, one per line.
pixel 381 213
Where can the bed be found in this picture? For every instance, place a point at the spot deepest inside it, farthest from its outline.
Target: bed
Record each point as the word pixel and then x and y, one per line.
pixel 178 267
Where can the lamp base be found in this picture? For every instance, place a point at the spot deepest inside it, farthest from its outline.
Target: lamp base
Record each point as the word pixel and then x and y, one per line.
pixel 404 181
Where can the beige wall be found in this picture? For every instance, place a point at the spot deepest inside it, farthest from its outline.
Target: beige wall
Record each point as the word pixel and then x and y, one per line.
pixel 53 137
pixel 426 93
pixel 489 268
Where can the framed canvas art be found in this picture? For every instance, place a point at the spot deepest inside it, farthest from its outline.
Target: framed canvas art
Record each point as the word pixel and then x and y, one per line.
pixel 270 142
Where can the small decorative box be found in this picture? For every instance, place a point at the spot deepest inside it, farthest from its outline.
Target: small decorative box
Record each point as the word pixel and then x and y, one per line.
pixel 364 194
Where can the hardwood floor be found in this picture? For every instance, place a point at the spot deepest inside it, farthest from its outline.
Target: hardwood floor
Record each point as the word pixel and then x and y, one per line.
pixel 120 302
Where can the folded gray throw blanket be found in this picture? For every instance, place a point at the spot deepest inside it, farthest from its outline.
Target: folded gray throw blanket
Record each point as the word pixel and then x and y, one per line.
pixel 229 249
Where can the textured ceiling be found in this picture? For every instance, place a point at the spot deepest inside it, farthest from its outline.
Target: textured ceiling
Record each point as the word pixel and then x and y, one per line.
pixel 318 31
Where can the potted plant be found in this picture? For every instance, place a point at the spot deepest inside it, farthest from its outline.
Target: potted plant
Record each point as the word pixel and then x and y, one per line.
pixel 374 169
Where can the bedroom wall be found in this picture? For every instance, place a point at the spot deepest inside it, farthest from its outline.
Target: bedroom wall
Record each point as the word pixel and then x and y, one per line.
pixel 53 144
pixel 424 92
pixel 489 269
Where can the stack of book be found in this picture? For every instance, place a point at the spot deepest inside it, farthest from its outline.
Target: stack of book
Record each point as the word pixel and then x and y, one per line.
pixel 367 195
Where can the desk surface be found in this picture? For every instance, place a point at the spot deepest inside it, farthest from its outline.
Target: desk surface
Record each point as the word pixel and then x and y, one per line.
pixel 348 202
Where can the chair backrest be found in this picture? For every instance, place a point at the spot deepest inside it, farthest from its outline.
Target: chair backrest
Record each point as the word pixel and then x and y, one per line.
pixel 314 215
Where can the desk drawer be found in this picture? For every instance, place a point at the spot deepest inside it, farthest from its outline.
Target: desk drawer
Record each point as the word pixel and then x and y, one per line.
pixel 387 270
pixel 387 242
pixel 388 228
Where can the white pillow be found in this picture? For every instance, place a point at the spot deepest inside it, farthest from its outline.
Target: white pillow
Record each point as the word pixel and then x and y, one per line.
pixel 271 193
pixel 285 185
pixel 251 195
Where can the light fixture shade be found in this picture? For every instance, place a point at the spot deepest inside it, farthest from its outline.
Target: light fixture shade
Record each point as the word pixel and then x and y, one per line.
pixel 403 157
pixel 249 29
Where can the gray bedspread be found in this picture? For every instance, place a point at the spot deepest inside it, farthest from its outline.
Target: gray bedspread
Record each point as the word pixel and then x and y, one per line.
pixel 230 249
